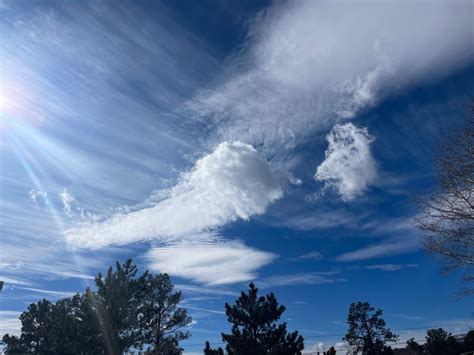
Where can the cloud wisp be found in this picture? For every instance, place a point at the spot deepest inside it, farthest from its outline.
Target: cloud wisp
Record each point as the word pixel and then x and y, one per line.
pixel 210 263
pixel 308 278
pixel 383 249
pixel 387 267
pixel 230 183
pixel 313 255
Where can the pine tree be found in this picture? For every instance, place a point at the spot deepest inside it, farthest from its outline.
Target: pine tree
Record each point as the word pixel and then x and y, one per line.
pixel 367 330
pixel 254 328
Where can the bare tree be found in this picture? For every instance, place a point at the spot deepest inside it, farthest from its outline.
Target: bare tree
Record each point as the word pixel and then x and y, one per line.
pixel 447 214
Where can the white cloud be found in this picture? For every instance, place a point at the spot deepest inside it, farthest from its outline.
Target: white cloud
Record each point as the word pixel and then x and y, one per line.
pixel 348 166
pixel 392 247
pixel 389 267
pixel 308 278
pixel 213 291
pixel 52 293
pixel 308 64
pixel 314 255
pixel 67 199
pixel 35 194
pixel 230 183
pixel 211 263
pixel 14 281
pixel 10 322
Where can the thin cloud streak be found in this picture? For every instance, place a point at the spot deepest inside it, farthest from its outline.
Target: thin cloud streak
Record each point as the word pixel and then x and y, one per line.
pixel 384 249
pixel 309 278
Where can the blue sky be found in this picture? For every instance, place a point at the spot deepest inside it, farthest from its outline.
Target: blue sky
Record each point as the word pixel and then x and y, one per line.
pixel 228 142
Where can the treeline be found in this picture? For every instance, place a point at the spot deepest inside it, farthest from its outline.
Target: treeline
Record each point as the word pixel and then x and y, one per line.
pixel 125 312
pixel 129 312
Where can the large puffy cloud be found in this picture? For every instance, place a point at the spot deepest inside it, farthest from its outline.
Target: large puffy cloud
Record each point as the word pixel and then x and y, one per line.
pixel 308 64
pixel 230 183
pixel 349 166
pixel 212 263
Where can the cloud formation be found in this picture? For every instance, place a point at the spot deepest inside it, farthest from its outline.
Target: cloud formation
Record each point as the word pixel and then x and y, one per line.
pixel 35 194
pixel 313 255
pixel 383 249
pixel 230 183
pixel 67 199
pixel 308 278
pixel 388 267
pixel 309 64
pixel 211 263
pixel 349 167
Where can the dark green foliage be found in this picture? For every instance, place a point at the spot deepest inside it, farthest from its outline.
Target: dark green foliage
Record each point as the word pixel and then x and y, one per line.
pixel 367 330
pixel 126 311
pixel 160 320
pixel 413 346
pixel 440 342
pixel 254 328
pixel 117 307
pixel 68 326
pixel 468 343
pixel 209 351
pixel 331 351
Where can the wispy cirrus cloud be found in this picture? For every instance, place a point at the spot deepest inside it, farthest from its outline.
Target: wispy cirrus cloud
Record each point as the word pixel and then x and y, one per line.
pixel 10 322
pixel 67 199
pixel 381 249
pixel 300 73
pixel 51 293
pixel 313 255
pixel 308 278
pixel 211 291
pixel 387 267
pixel 230 183
pixel 213 263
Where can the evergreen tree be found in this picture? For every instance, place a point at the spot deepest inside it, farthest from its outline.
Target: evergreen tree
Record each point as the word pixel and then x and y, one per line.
pixel 367 330
pixel 468 343
pixel 117 307
pixel 254 328
pixel 413 346
pixel 126 311
pixel 66 327
pixel 440 342
pixel 209 351
pixel 160 318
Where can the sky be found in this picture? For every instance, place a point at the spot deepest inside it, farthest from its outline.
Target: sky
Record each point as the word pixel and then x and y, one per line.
pixel 228 142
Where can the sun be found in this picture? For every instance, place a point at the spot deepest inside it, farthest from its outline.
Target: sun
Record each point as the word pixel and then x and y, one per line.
pixel 18 105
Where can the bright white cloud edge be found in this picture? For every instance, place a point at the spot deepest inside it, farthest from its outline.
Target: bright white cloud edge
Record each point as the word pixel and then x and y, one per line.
pixel 230 183
pixel 349 167
pixel 211 263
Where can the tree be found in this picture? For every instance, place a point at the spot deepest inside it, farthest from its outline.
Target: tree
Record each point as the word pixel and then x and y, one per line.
pixel 468 343
pixel 440 342
pixel 331 351
pixel 254 328
pixel 367 330
pixel 160 318
pixel 117 307
pixel 447 214
pixel 66 327
pixel 209 351
pixel 413 346
pixel 126 311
